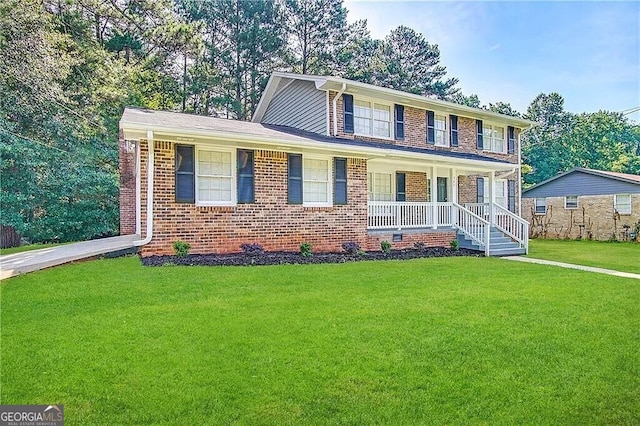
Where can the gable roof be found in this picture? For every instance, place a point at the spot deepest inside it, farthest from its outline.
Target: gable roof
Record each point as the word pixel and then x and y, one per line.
pixel 135 123
pixel 338 84
pixel 622 177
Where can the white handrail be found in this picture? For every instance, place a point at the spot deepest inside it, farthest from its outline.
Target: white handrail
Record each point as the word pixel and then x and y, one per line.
pixel 512 225
pixel 473 226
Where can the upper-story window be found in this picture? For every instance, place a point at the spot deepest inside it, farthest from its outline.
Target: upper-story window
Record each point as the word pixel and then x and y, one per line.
pixel 440 127
pixel 494 138
pixel 372 119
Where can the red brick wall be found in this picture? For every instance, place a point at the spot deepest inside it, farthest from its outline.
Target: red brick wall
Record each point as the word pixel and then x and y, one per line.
pixel 415 130
pixel 416 186
pixel 429 238
pixel 127 198
pixel 270 221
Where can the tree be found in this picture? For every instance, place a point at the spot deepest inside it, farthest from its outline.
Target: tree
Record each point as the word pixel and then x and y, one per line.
pixel 317 32
pixel 504 108
pixel 406 61
pixel 470 101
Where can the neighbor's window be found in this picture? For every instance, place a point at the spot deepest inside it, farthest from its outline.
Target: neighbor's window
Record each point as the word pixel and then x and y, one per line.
pixel 215 177
pixel 541 205
pixel 380 187
pixel 316 181
pixel 494 138
pixel 622 203
pixel 371 119
pixel 571 202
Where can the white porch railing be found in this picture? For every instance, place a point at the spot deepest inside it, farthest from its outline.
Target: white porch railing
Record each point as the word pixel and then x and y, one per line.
pixel 512 225
pixel 473 226
pixel 391 214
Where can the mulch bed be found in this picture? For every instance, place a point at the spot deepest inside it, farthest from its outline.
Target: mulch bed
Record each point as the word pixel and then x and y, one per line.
pixel 287 258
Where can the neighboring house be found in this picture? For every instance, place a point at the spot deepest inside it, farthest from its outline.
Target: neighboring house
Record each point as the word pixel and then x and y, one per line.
pixel 584 203
pixel 325 161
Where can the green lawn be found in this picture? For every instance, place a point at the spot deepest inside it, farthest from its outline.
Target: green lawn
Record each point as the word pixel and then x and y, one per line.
pixel 428 341
pixel 618 256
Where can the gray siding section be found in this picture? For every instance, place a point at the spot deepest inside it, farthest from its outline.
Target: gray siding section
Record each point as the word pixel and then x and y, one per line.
pixel 579 183
pixel 299 105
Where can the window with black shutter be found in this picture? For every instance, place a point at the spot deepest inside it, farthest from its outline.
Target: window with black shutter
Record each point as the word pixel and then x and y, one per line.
pixel 479 135
pixel 340 180
pixel 431 128
pixel 399 122
pixel 401 187
pixel 480 190
pixel 347 101
pixel 511 195
pixel 511 140
pixel 294 179
pixel 246 183
pixel 185 174
pixel 453 128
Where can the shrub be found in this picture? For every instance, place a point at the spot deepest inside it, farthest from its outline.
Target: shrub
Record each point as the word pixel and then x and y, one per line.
pixel 420 246
pixel 306 249
pixel 351 248
pixel 386 247
pixel 454 244
pixel 180 248
pixel 254 249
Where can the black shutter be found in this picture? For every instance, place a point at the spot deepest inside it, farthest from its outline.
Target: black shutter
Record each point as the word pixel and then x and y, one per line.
pixel 246 186
pixel 340 181
pixel 347 101
pixel 431 128
pixel 511 195
pixel 511 140
pixel 453 126
pixel 401 187
pixel 480 190
pixel 185 174
pixel 399 122
pixel 294 186
pixel 479 137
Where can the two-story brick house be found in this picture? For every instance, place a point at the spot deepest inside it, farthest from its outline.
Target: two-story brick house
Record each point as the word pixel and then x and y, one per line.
pixel 325 161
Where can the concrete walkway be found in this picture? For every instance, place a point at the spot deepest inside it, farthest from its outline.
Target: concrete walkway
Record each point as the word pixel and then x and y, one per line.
pixel 572 266
pixel 28 261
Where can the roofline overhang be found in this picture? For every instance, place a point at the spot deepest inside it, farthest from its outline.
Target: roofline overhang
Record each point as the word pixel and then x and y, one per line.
pixel 582 170
pixel 136 131
pixel 418 101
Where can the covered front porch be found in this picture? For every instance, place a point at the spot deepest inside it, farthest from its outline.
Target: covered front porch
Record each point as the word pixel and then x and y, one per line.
pixel 480 204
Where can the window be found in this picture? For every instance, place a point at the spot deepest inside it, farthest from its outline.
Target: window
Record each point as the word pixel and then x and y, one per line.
pixel 500 192
pixel 541 205
pixel 316 181
pixel 453 129
pixel 493 138
pixel 371 119
pixel 571 202
pixel 622 203
pixel 379 187
pixel 215 177
pixel 440 127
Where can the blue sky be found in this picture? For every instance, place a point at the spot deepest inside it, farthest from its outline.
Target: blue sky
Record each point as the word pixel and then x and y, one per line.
pixel 511 51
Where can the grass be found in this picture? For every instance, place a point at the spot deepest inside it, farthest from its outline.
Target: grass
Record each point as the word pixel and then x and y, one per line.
pixel 28 247
pixel 428 341
pixel 623 257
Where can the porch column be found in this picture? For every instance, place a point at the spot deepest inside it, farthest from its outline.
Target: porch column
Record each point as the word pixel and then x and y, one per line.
pixel 492 177
pixel 434 195
pixel 453 177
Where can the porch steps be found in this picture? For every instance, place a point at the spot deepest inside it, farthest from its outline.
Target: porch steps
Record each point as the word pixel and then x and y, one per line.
pixel 500 244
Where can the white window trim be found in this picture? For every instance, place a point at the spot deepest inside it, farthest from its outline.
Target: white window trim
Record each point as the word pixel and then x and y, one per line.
pixel 447 124
pixel 505 191
pixel 535 206
pixel 392 173
pixel 329 161
pixel 234 189
pixel 392 121
pixel 565 202
pixel 484 139
pixel 615 204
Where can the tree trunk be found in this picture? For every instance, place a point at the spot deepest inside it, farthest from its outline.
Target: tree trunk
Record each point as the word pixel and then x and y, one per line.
pixel 9 237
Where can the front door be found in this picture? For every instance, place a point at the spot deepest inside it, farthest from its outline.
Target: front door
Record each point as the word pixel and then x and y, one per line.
pixel 442 190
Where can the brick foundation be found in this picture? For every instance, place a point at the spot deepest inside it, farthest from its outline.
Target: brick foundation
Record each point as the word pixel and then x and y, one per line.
pixel 431 238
